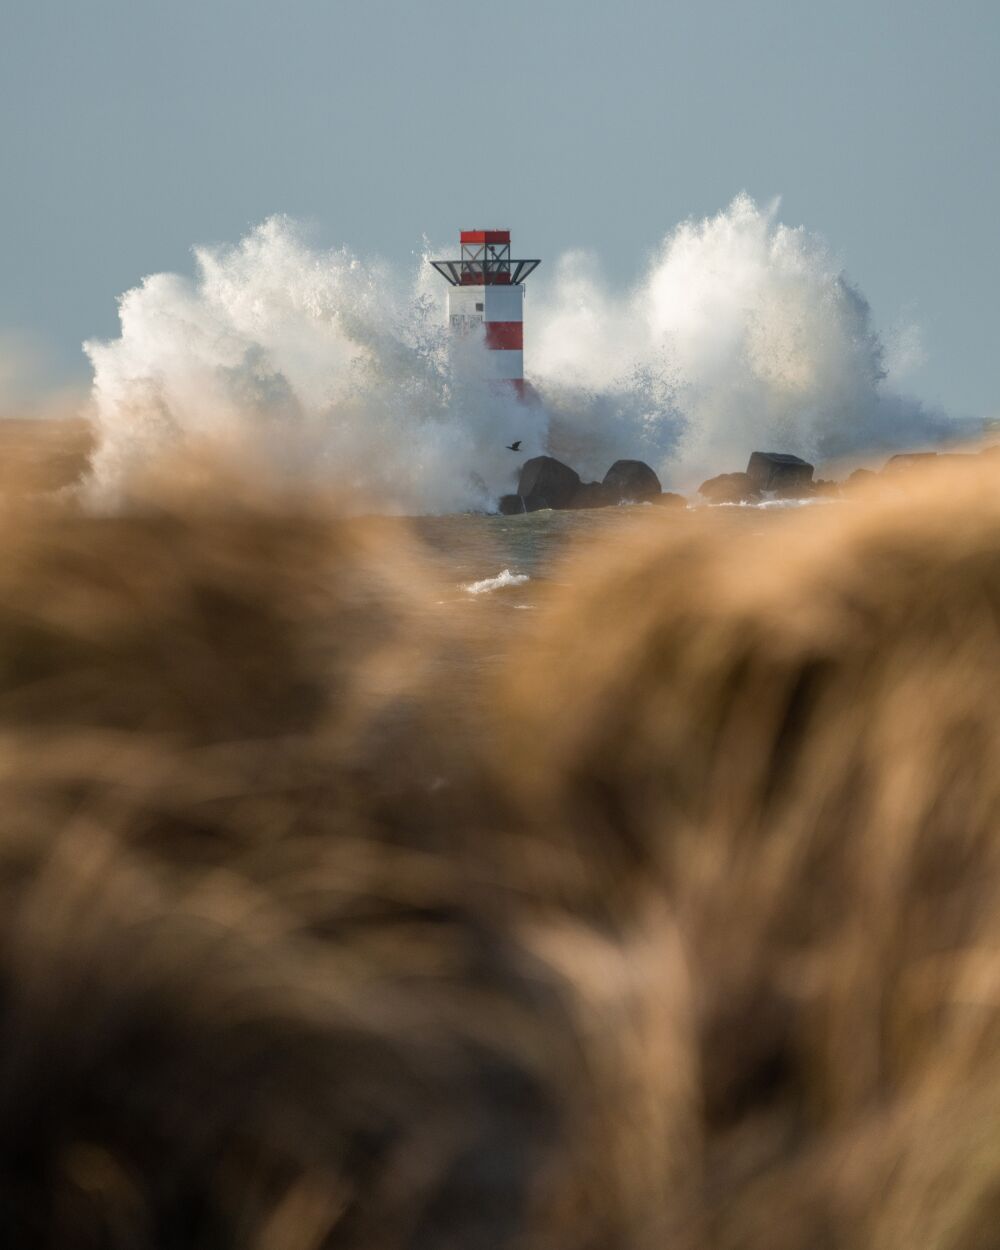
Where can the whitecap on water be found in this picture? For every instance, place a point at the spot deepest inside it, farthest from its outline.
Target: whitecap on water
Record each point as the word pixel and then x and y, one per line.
pixel 502 581
pixel 812 502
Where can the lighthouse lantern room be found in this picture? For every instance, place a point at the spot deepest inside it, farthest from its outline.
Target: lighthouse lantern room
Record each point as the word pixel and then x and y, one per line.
pixel 487 296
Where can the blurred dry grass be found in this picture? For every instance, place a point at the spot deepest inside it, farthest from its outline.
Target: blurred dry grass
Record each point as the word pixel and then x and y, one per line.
pixel 696 948
pixel 796 734
pixel 43 453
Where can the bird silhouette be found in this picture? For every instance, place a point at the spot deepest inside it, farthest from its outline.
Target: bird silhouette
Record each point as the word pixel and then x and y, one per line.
pixel 515 445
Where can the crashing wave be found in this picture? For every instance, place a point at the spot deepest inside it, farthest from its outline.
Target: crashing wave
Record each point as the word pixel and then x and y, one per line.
pixel 742 333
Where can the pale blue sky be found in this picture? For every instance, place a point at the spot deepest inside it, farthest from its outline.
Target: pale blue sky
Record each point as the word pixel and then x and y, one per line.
pixel 132 129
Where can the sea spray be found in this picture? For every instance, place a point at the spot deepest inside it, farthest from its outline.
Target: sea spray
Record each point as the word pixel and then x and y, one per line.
pixel 324 363
pixel 741 334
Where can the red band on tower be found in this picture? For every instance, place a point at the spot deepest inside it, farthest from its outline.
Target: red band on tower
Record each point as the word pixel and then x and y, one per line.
pixel 505 335
pixel 485 236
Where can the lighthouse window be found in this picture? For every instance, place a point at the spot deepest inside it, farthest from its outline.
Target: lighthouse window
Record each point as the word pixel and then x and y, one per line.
pixel 463 323
pixel 479 308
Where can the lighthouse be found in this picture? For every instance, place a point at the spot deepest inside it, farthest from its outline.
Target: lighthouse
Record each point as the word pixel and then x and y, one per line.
pixel 487 298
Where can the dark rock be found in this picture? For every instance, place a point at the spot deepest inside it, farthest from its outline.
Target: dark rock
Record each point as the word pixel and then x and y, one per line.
pixel 860 479
pixel 592 495
pixel 728 488
pixel 777 471
pixel 908 460
pixel 547 483
pixel 668 499
pixel 510 505
pixel 906 470
pixel 631 481
pixel 824 487
pixel 930 459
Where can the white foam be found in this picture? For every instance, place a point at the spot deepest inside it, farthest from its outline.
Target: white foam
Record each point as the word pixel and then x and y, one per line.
pixel 502 581
pixel 742 335
pixel 759 504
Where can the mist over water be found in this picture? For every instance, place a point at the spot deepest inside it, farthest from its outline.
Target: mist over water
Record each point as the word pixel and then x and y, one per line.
pixel 742 333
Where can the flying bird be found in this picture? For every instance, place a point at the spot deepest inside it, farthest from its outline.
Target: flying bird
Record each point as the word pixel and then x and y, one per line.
pixel 515 445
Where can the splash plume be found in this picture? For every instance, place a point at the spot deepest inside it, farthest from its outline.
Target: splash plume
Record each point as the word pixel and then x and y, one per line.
pixel 741 333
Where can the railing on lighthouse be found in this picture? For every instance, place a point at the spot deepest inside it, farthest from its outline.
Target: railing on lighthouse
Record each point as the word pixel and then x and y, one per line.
pixel 485 261
pixel 487 296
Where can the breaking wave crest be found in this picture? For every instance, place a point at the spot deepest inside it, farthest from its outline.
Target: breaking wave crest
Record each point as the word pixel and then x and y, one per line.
pixel 742 333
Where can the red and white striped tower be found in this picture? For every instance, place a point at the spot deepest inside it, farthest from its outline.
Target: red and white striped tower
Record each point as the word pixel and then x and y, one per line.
pixel 487 296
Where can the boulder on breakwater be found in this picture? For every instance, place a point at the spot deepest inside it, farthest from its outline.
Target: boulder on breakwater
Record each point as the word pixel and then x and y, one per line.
pixel 729 488
pixel 827 488
pixel 511 505
pixel 631 481
pixel 860 477
pixel 781 473
pixel 546 482
pixel 593 495
pixel 930 459
pixel 908 460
